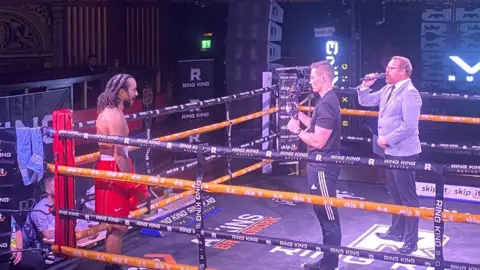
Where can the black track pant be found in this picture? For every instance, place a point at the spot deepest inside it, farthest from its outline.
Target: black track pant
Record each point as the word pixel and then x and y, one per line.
pixel 322 182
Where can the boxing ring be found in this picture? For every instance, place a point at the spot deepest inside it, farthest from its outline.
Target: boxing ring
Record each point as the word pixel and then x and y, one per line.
pixel 65 162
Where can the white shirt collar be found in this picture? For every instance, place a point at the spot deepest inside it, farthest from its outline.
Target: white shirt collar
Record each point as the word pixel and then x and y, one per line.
pixel 400 83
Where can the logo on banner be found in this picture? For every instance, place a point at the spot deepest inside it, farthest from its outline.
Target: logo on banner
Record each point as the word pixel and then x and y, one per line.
pixel 194 139
pixel 369 241
pixel 167 258
pixel 250 224
pixel 195 113
pixel 195 79
pixel 195 74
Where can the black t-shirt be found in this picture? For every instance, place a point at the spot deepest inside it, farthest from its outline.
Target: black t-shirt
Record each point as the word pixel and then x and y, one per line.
pixel 326 115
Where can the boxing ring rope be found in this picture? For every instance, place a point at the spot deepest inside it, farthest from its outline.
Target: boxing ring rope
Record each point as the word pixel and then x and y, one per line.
pixel 162 203
pixel 340 250
pixel 433 95
pixel 139 212
pixel 443 146
pixel 440 169
pixel 424 117
pixel 184 107
pixel 267 194
pixel 189 165
pixel 255 153
pixel 88 158
pixel 120 259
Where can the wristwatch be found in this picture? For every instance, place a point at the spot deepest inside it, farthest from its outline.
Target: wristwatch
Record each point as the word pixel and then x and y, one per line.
pixel 298 131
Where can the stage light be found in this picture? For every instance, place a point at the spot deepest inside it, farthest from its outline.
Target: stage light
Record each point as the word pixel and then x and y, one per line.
pixel 451 78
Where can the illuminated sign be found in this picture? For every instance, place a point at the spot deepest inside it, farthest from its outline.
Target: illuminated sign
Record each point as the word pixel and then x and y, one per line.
pixel 466 67
pixel 206 44
pixel 332 49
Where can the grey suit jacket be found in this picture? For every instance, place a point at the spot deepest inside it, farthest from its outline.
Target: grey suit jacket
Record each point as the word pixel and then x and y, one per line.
pixel 398 119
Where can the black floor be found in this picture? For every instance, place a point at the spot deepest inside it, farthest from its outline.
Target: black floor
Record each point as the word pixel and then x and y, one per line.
pixel 297 221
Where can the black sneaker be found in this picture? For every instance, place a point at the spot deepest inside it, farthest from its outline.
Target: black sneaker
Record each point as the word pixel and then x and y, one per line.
pixel 113 267
pixel 320 265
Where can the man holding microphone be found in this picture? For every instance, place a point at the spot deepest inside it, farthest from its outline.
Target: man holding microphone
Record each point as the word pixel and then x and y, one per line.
pixel 398 136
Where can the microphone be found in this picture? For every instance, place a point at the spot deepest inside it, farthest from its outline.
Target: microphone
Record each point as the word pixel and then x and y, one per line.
pixel 374 77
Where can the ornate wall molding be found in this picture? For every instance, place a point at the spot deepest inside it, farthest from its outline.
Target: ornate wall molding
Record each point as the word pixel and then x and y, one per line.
pixel 25 29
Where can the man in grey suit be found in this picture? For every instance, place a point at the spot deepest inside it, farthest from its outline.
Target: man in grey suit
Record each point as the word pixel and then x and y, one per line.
pixel 399 111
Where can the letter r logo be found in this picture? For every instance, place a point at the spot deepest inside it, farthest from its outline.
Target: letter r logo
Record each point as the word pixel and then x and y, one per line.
pixel 195 74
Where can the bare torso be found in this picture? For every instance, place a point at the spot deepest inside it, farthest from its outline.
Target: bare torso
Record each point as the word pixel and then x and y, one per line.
pixel 105 127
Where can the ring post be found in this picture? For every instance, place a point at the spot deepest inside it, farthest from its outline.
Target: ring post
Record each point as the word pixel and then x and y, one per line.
pixel 438 224
pixel 202 250
pixel 64 155
pixel 148 164
pixel 229 136
pixel 266 122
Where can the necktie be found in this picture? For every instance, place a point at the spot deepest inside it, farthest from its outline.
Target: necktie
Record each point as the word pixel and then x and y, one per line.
pixel 390 94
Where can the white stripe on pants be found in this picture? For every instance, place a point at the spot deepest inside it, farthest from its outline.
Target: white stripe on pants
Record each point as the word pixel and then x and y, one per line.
pixel 324 190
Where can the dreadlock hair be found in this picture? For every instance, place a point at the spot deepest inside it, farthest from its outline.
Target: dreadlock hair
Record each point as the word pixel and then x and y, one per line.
pixel 109 98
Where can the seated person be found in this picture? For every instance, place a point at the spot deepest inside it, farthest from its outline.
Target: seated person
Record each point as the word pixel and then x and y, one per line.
pixel 45 224
pixel 22 260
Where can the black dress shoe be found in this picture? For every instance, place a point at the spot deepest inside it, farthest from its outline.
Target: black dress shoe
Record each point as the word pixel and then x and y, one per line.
pixel 313 266
pixel 389 236
pixel 320 265
pixel 407 248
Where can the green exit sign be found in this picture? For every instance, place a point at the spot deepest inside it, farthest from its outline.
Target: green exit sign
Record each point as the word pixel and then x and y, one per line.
pixel 206 44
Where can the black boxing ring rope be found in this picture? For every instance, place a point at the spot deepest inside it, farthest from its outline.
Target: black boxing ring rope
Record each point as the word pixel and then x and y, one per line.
pixel 185 107
pixel 211 158
pixel 443 146
pixel 148 115
pixel 432 95
pixel 439 169
pixel 340 250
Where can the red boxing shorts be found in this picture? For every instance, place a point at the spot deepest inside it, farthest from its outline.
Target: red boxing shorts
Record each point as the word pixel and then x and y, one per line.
pixel 115 198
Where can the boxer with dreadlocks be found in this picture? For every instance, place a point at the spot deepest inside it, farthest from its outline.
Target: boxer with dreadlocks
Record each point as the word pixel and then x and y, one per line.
pixel 111 197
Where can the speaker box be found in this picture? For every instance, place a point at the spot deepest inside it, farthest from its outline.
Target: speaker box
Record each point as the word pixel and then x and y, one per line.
pixel 253 27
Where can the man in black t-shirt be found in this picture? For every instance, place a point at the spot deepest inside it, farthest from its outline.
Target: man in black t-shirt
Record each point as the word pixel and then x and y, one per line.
pixel 322 136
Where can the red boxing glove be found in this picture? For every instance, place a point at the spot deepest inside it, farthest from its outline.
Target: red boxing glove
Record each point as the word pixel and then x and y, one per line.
pixel 140 192
pixel 143 191
pixel 133 203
